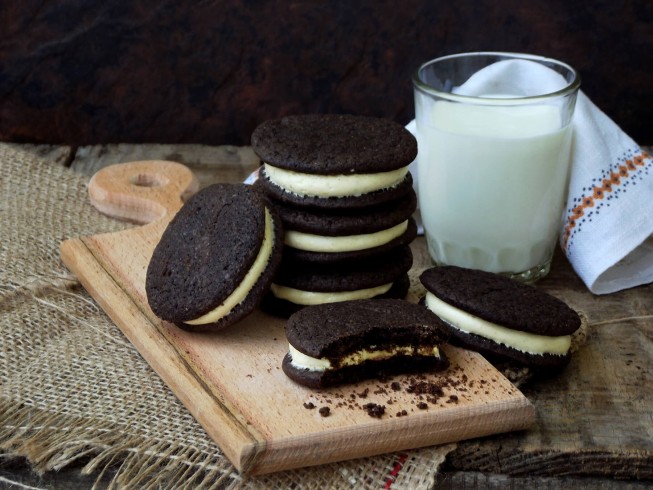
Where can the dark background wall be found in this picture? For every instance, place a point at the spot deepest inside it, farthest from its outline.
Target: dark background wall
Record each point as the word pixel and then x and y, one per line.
pixel 99 71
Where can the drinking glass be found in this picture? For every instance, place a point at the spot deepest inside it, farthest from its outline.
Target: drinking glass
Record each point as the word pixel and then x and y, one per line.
pixel 494 133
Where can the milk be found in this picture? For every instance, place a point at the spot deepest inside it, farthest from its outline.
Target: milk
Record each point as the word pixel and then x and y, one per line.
pixel 491 183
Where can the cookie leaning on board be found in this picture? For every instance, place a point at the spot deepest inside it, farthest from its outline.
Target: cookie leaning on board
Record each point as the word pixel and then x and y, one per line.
pixel 216 258
pixel 501 317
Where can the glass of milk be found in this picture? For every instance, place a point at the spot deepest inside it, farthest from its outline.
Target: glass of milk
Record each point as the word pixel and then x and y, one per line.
pixel 494 136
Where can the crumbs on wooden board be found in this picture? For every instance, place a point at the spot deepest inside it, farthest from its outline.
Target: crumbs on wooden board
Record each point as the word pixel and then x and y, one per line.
pixel 421 391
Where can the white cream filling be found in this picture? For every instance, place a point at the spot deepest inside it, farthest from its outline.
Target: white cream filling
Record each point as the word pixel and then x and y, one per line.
pixel 303 361
pixel 248 282
pixel 523 341
pixel 349 243
pixel 308 298
pixel 333 185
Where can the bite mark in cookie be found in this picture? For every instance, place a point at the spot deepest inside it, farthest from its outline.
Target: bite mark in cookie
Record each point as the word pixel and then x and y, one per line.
pixel 353 340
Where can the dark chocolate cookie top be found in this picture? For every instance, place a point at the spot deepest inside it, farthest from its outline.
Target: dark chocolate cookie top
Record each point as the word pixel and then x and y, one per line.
pixel 331 277
pixel 335 329
pixel 334 144
pixel 206 251
pixel 339 222
pixel 501 300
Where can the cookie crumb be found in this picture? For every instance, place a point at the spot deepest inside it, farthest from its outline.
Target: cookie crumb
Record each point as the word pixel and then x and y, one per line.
pixel 364 393
pixel 325 411
pixel 425 388
pixel 374 410
pixel 309 405
pixel 422 405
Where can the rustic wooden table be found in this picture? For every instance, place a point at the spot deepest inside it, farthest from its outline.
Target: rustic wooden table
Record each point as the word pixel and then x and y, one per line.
pixel 594 420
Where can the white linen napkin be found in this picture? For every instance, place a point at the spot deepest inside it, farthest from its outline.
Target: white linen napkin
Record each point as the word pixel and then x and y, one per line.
pixel 607 228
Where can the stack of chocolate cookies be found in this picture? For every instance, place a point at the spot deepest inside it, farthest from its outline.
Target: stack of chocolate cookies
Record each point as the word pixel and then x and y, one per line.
pixel 340 184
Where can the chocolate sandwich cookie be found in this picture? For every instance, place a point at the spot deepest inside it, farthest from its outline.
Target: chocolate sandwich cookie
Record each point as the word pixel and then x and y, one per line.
pixel 216 258
pixel 346 342
pixel 334 160
pixel 321 236
pixel 298 285
pixel 500 316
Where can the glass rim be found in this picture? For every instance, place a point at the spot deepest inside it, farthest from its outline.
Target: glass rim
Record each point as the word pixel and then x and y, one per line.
pixel 571 86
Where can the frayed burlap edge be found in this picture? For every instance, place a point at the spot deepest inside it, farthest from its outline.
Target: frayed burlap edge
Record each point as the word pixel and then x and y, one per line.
pixel 52 441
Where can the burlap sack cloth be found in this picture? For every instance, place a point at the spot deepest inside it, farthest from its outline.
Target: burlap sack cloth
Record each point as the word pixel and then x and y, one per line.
pixel 73 389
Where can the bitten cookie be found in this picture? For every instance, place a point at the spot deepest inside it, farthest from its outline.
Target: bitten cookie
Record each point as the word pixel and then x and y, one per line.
pixel 323 236
pixel 334 160
pixel 354 340
pixel 298 285
pixel 216 258
pixel 500 316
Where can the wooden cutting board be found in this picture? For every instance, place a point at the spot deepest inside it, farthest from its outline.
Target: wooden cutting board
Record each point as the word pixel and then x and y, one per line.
pixel 232 382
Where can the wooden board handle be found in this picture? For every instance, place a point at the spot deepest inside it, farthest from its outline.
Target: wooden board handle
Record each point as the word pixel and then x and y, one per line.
pixel 142 192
